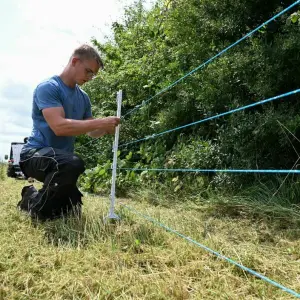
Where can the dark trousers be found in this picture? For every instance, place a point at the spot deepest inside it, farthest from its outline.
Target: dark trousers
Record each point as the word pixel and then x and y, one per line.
pixel 59 171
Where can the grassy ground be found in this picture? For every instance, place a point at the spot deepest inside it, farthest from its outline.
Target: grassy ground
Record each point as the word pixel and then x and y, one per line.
pixel 89 259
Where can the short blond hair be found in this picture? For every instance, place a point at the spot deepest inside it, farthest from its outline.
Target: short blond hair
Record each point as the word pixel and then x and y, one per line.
pixel 87 52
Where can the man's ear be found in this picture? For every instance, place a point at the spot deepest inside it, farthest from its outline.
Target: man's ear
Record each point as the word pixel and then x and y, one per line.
pixel 74 60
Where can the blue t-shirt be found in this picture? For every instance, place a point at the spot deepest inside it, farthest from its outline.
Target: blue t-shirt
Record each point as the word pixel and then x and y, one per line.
pixel 54 93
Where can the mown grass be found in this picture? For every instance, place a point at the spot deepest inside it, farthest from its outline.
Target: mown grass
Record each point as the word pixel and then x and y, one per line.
pixel 133 259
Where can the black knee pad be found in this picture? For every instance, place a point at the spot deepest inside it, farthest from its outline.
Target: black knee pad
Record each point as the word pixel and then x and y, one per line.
pixel 78 164
pixel 75 165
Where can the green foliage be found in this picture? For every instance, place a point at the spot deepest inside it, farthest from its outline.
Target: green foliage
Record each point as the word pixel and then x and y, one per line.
pixel 152 49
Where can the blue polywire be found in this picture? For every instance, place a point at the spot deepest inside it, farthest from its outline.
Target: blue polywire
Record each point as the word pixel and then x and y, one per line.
pixel 213 117
pixel 211 59
pixel 213 170
pixel 278 285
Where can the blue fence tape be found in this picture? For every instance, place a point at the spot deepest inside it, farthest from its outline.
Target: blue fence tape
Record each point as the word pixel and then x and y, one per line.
pixel 213 117
pixel 213 170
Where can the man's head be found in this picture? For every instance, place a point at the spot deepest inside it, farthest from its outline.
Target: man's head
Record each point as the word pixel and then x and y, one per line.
pixel 84 64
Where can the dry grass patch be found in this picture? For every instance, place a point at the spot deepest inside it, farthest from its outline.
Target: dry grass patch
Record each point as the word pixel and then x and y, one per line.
pixel 133 259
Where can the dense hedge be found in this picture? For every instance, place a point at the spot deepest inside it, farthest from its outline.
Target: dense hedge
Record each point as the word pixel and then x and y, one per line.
pixel 152 49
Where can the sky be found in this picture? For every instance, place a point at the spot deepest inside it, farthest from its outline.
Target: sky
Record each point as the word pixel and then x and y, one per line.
pixel 37 39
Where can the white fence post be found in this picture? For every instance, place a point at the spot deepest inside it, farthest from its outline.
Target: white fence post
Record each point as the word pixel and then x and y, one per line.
pixel 112 214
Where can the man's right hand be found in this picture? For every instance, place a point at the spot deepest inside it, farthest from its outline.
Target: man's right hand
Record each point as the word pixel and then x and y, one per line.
pixel 108 124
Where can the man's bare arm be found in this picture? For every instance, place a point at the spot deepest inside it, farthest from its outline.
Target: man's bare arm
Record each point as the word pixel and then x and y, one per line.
pixel 55 117
pixel 98 132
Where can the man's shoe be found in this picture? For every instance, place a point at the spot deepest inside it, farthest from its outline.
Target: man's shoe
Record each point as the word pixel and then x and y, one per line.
pixel 28 193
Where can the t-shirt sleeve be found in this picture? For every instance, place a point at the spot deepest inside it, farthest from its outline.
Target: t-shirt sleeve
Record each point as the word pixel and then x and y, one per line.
pixel 47 95
pixel 88 108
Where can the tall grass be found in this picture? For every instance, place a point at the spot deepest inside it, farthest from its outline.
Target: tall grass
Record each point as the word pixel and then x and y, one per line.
pixel 3 167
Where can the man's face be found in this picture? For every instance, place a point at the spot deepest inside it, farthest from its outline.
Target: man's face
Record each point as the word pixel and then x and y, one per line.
pixel 85 70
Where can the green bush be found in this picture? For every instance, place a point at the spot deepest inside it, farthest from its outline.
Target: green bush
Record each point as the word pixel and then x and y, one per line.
pixel 151 49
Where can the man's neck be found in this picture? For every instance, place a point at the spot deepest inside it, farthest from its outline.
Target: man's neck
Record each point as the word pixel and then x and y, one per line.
pixel 66 78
